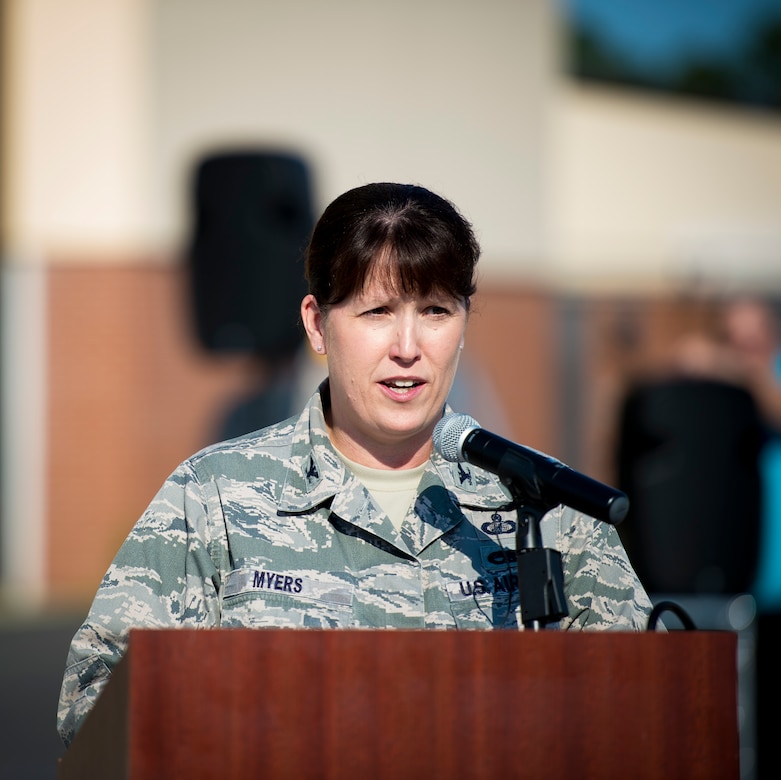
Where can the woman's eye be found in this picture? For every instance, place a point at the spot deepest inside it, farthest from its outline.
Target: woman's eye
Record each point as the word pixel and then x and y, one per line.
pixel 439 311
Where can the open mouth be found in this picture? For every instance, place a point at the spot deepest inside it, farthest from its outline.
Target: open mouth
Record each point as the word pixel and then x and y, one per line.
pixel 401 385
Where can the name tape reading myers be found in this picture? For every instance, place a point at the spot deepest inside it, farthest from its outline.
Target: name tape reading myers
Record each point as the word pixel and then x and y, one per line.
pixel 291 583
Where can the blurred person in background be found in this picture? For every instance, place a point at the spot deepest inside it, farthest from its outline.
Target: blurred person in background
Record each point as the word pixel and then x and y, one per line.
pixel 746 351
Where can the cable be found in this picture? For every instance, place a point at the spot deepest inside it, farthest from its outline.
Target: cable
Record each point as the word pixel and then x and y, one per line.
pixel 670 606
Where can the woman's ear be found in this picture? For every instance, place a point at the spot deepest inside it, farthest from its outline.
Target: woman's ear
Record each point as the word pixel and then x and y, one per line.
pixel 312 318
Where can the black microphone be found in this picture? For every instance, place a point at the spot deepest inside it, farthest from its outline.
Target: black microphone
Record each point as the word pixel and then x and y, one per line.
pixel 458 437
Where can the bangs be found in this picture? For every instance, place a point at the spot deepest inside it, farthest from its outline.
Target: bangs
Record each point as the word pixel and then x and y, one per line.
pixel 404 262
pixel 402 270
pixel 403 237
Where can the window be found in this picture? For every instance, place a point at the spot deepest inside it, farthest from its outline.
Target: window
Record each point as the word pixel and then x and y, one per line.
pixel 722 50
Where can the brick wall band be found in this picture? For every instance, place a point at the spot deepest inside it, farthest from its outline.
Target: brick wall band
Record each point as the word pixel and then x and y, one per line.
pixel 131 394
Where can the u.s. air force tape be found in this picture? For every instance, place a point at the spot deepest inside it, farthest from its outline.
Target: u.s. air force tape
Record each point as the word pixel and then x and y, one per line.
pixel 294 583
pixel 504 584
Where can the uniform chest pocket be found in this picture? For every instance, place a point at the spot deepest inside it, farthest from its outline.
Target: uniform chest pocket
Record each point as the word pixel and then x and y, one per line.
pixel 261 598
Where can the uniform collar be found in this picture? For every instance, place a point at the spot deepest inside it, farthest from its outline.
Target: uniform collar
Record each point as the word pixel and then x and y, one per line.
pixel 316 474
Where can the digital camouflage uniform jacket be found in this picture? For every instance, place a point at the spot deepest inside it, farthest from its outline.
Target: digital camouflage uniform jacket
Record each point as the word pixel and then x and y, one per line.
pixel 271 530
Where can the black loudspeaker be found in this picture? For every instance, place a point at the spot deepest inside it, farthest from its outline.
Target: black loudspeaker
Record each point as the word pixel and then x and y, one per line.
pixel 688 458
pixel 252 222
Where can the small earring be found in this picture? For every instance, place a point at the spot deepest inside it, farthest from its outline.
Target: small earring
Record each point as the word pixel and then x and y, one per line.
pixel 319 347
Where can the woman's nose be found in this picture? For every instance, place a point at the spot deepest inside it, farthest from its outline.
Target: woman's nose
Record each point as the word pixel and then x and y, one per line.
pixel 406 345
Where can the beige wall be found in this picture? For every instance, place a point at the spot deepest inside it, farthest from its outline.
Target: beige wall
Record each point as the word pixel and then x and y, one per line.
pixel 75 128
pixel 109 102
pixel 647 189
pixel 447 93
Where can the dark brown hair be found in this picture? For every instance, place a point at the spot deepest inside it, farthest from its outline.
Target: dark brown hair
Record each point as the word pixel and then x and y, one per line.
pixel 416 239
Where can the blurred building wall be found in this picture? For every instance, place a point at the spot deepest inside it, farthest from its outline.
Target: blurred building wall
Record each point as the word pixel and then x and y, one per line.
pixel 574 191
pixel 646 189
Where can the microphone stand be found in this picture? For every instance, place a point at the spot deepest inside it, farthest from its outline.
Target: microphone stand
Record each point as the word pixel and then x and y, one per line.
pixel 540 571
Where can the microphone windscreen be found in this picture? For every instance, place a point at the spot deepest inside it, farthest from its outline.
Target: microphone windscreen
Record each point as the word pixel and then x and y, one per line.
pixel 449 434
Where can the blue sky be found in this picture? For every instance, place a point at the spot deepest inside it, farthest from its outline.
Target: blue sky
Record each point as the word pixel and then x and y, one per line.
pixel 658 30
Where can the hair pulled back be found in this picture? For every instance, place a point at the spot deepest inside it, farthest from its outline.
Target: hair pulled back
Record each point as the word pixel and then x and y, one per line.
pixel 415 240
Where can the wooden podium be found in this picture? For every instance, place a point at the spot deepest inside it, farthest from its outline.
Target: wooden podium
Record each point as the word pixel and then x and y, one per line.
pixel 348 704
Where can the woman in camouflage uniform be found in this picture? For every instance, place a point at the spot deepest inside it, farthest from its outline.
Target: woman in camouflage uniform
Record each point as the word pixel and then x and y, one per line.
pixel 344 516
